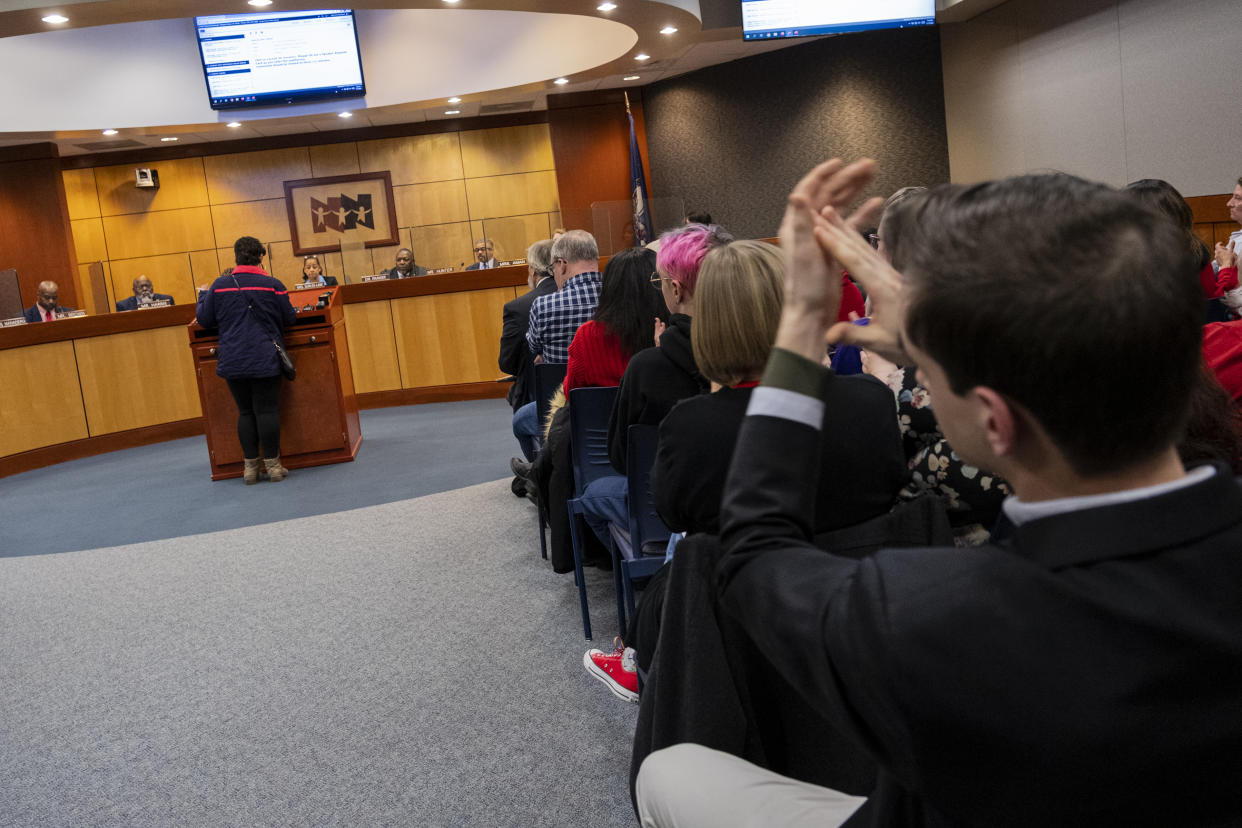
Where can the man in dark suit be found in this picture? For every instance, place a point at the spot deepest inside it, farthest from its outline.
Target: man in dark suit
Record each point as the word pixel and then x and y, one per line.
pixel 405 266
pixel 46 309
pixel 484 255
pixel 1085 667
pixel 515 358
pixel 144 295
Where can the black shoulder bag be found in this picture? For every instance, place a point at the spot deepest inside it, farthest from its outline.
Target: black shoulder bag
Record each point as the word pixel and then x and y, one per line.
pixel 287 369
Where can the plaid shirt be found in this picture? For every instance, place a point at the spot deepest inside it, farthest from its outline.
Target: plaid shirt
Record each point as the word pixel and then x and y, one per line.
pixel 554 319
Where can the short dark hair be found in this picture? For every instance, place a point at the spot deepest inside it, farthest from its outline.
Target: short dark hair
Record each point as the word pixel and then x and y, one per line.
pixel 1069 298
pixel 248 251
pixel 628 302
pixel 1164 198
pixel 699 218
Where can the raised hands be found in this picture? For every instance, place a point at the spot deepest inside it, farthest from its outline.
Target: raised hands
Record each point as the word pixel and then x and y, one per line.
pixel 812 278
pixel 1226 256
pixel 840 239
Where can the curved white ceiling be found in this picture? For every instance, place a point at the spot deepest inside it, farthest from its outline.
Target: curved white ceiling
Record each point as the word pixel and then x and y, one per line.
pixel 148 74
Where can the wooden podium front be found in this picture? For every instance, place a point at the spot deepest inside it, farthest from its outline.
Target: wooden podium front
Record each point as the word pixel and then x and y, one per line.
pixel 318 410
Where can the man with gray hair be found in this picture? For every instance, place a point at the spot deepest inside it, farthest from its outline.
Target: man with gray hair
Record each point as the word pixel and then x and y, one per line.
pixel 554 319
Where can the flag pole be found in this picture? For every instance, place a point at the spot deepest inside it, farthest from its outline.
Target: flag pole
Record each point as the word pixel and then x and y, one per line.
pixel 627 102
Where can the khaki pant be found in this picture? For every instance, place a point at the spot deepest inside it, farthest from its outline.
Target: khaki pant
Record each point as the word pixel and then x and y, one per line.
pixel 690 786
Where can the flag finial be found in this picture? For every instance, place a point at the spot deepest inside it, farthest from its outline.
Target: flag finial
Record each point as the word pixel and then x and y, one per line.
pixel 627 102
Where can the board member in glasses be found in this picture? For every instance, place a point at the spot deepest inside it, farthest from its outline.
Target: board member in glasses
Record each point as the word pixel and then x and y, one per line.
pixel 484 255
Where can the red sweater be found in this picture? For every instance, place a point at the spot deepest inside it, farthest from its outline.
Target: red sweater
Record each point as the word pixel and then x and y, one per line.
pixel 1215 284
pixel 1222 348
pixel 596 358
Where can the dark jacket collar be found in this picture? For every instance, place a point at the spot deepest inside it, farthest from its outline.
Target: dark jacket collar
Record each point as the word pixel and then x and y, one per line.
pixel 1136 528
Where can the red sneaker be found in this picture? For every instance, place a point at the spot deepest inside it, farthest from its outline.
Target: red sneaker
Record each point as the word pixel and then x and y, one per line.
pixel 617 670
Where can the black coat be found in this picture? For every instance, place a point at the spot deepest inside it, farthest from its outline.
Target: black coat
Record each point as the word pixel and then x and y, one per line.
pixel 131 303
pixel 515 356
pixel 1085 671
pixel 861 466
pixel 654 381
pixel 246 349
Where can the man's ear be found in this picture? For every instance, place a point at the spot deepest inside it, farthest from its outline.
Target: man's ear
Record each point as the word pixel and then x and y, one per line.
pixel 1000 420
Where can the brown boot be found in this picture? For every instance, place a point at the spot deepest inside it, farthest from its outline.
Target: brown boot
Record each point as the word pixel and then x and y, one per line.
pixel 275 471
pixel 251 472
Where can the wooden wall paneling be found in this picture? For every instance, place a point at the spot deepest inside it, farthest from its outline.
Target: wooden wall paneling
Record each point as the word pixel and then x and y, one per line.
pixel 250 176
pixel 80 194
pixel 284 265
pixel 137 379
pixel 358 260
pixel 205 268
pixel 334 159
pixel 1210 208
pixel 512 195
pixel 439 202
pixel 372 348
pixel 439 245
pixel 555 220
pixel 182 184
pixel 88 240
pixel 513 234
pixel 487 152
pixel 450 337
pixel 42 402
pixel 171 274
pixel 267 221
pixel 154 234
pixel 35 235
pixel 1221 232
pixel 415 159
pixel 591 147
pixel 96 282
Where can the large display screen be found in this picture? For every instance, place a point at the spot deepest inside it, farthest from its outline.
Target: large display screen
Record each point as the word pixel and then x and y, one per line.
pixel 767 19
pixel 279 57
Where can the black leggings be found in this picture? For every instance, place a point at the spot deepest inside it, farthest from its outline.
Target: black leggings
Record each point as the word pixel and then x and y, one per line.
pixel 258 409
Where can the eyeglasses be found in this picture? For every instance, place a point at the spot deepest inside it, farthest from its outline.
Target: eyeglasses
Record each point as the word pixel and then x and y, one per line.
pixel 656 278
pixel 873 239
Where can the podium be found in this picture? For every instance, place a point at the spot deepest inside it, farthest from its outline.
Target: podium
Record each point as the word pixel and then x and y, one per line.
pixel 318 410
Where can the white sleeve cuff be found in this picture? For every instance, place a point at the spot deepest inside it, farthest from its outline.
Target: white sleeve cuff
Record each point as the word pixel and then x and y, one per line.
pixel 767 401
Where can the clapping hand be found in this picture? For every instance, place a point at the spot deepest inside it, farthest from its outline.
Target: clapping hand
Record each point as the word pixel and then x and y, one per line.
pixel 812 278
pixel 840 239
pixel 1226 256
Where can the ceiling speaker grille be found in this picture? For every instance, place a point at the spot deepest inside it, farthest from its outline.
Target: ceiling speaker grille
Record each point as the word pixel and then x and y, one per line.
pixel 502 108
pixel 102 146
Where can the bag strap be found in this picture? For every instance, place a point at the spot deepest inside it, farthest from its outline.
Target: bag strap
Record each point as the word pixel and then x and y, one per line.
pixel 250 307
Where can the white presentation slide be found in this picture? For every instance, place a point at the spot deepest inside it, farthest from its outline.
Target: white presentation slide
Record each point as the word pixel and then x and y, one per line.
pixel 249 56
pixel 804 15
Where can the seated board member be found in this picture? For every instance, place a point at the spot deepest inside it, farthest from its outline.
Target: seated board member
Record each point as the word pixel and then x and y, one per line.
pixel 484 255
pixel 46 309
pixel 405 266
pixel 144 294
pixel 312 273
pixel 1085 667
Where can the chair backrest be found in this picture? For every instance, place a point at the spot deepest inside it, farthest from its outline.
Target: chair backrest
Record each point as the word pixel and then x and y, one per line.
pixel 548 378
pixel 646 527
pixel 589 409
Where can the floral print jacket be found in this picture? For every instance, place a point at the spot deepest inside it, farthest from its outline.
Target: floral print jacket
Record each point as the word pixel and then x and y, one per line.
pixel 973 497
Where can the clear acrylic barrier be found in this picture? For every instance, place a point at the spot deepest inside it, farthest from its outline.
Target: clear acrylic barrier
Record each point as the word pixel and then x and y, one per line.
pixel 511 237
pixel 612 222
pixel 355 262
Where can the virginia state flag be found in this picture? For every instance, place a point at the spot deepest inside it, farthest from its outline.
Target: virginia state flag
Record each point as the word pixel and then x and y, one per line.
pixel 638 189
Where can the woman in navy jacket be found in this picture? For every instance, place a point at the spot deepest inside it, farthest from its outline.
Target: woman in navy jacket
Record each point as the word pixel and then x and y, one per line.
pixel 251 309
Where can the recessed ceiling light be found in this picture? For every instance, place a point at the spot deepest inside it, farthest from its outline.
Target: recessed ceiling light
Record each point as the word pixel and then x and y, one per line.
pixel 630 77
pixel 451 2
pixel 55 18
pixel 345 115
pixel 259 2
pixel 606 6
pixel 452 112
pixel 561 81
pixel 169 138
pixel 234 124
pixel 669 30
pixel 642 56
pixel 109 132
pixel 454 99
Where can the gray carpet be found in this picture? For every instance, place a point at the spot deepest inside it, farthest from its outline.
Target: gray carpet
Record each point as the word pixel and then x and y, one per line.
pixel 410 663
pixel 165 490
